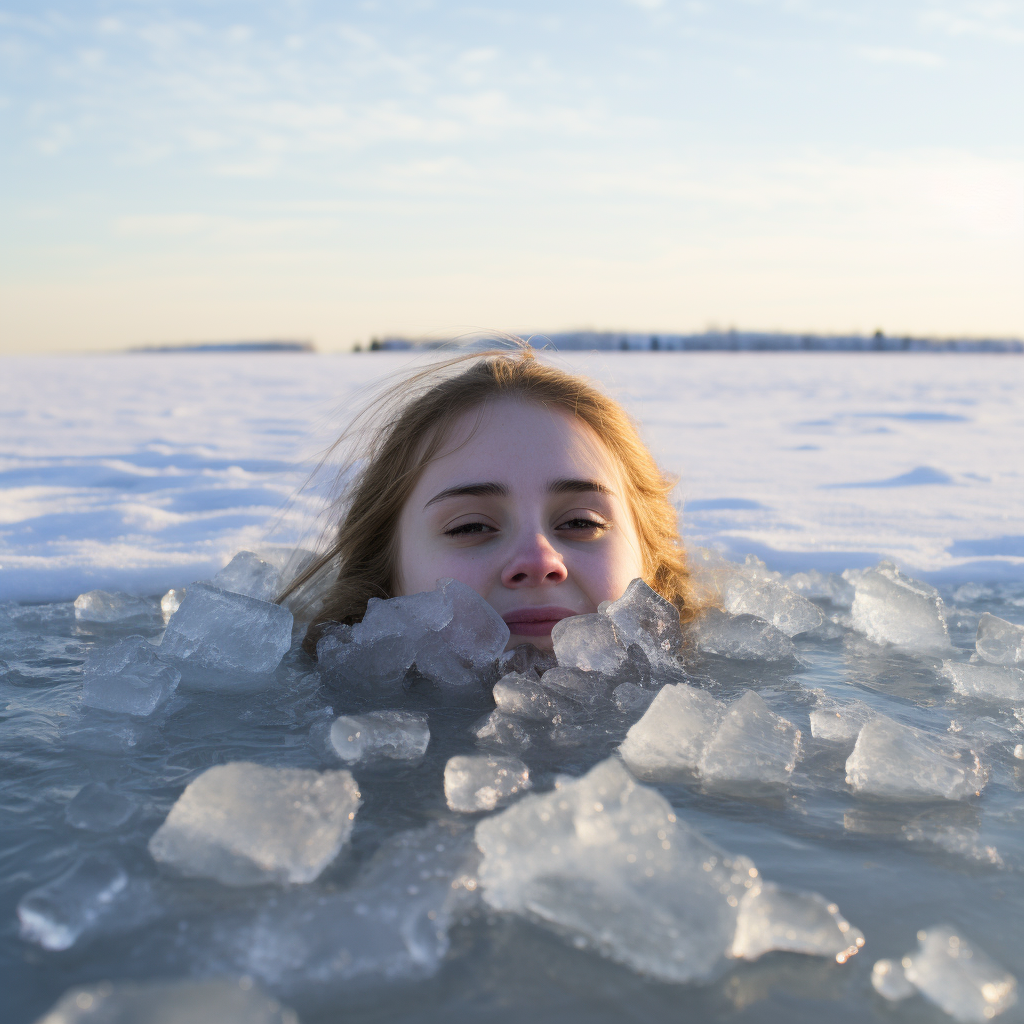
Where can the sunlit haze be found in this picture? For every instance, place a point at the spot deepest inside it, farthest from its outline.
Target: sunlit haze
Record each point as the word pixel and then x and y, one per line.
pixel 200 171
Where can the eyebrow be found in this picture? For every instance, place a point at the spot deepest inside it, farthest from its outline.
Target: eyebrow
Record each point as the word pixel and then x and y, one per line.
pixel 494 490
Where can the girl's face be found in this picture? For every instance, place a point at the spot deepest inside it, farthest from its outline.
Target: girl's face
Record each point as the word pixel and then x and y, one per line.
pixel 528 510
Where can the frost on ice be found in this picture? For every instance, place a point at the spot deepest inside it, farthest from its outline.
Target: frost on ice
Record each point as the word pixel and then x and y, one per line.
pixel 56 914
pixel 226 632
pixel 604 861
pixel 481 782
pixel 891 608
pixel 245 824
pixel 951 972
pixel 128 677
pixel 105 607
pixel 224 1000
pixel 686 731
pixel 1000 642
pixel 451 635
pixel 396 735
pixel 899 762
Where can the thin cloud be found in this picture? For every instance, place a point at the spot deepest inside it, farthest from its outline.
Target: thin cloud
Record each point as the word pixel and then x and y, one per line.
pixel 900 55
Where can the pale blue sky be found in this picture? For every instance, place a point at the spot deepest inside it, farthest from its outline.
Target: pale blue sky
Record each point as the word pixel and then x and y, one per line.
pixel 214 170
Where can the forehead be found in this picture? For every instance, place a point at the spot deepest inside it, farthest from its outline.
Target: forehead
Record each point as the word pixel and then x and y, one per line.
pixel 506 439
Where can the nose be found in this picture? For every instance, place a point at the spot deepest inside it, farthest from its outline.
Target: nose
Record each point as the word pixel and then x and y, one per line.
pixel 535 563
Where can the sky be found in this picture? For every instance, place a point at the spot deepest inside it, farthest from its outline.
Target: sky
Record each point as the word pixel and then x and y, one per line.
pixel 211 170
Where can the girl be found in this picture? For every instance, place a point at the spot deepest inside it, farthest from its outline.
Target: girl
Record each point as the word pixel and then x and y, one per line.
pixel 518 479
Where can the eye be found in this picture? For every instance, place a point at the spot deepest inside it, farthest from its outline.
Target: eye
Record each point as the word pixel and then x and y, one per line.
pixel 469 529
pixel 584 524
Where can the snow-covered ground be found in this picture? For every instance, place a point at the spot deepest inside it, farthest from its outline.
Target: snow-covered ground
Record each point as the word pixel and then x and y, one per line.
pixel 143 472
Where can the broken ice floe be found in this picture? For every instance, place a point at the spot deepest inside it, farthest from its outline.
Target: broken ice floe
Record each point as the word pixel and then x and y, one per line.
pixel 1000 642
pixel 899 762
pixel 224 1000
pixel 56 914
pixel 951 972
pixel 895 609
pixel 525 696
pixel 128 677
pixel 97 808
pixel 245 824
pixel 396 735
pixel 481 782
pixel 686 732
pixel 221 631
pixel 102 606
pixel 997 682
pixel 743 637
pixel 818 586
pixel 452 636
pixel 604 861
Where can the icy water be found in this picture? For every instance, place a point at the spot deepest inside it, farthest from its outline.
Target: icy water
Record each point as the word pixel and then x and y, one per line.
pixel 378 936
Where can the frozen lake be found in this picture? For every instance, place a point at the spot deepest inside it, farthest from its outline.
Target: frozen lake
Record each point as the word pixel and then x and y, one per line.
pixel 866 745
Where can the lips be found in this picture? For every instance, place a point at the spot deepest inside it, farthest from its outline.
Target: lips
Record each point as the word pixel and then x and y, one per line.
pixel 535 621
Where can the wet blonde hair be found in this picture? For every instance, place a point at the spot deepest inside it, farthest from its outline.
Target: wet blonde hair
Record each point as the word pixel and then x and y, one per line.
pixel 413 422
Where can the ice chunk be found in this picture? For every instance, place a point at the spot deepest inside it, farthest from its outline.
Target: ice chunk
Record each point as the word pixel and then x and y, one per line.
pixel 170 603
pixel 225 632
pixel 451 634
pixel 98 808
pixel 500 730
pixel 398 735
pixel 818 587
pixel 642 616
pixel 103 606
pixel 742 637
pixel 588 642
pixel 248 574
pixel 526 697
pixel 525 659
pixel 671 737
pixel 899 762
pixel 244 824
pixel 224 1000
pixel 630 697
pixel 481 782
pixel 391 924
pixel 797 922
pixel 128 677
pixel 1000 642
pixel 889 981
pixel 840 723
pixel 605 862
pixel 56 914
pixel 958 977
pixel 892 608
pixel 775 603
pixel 1002 682
pixel 753 746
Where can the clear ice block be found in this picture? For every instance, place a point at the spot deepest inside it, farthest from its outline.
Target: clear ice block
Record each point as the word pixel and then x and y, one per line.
pixel 481 782
pixel 245 824
pixel 994 682
pixel 396 735
pixel 891 608
pixel 225 632
pixel 1000 642
pixel 899 762
pixel 128 677
pixel 56 914
pixel 248 574
pixel 105 607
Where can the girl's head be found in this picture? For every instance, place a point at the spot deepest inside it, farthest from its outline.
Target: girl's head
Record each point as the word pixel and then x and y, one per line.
pixel 518 479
